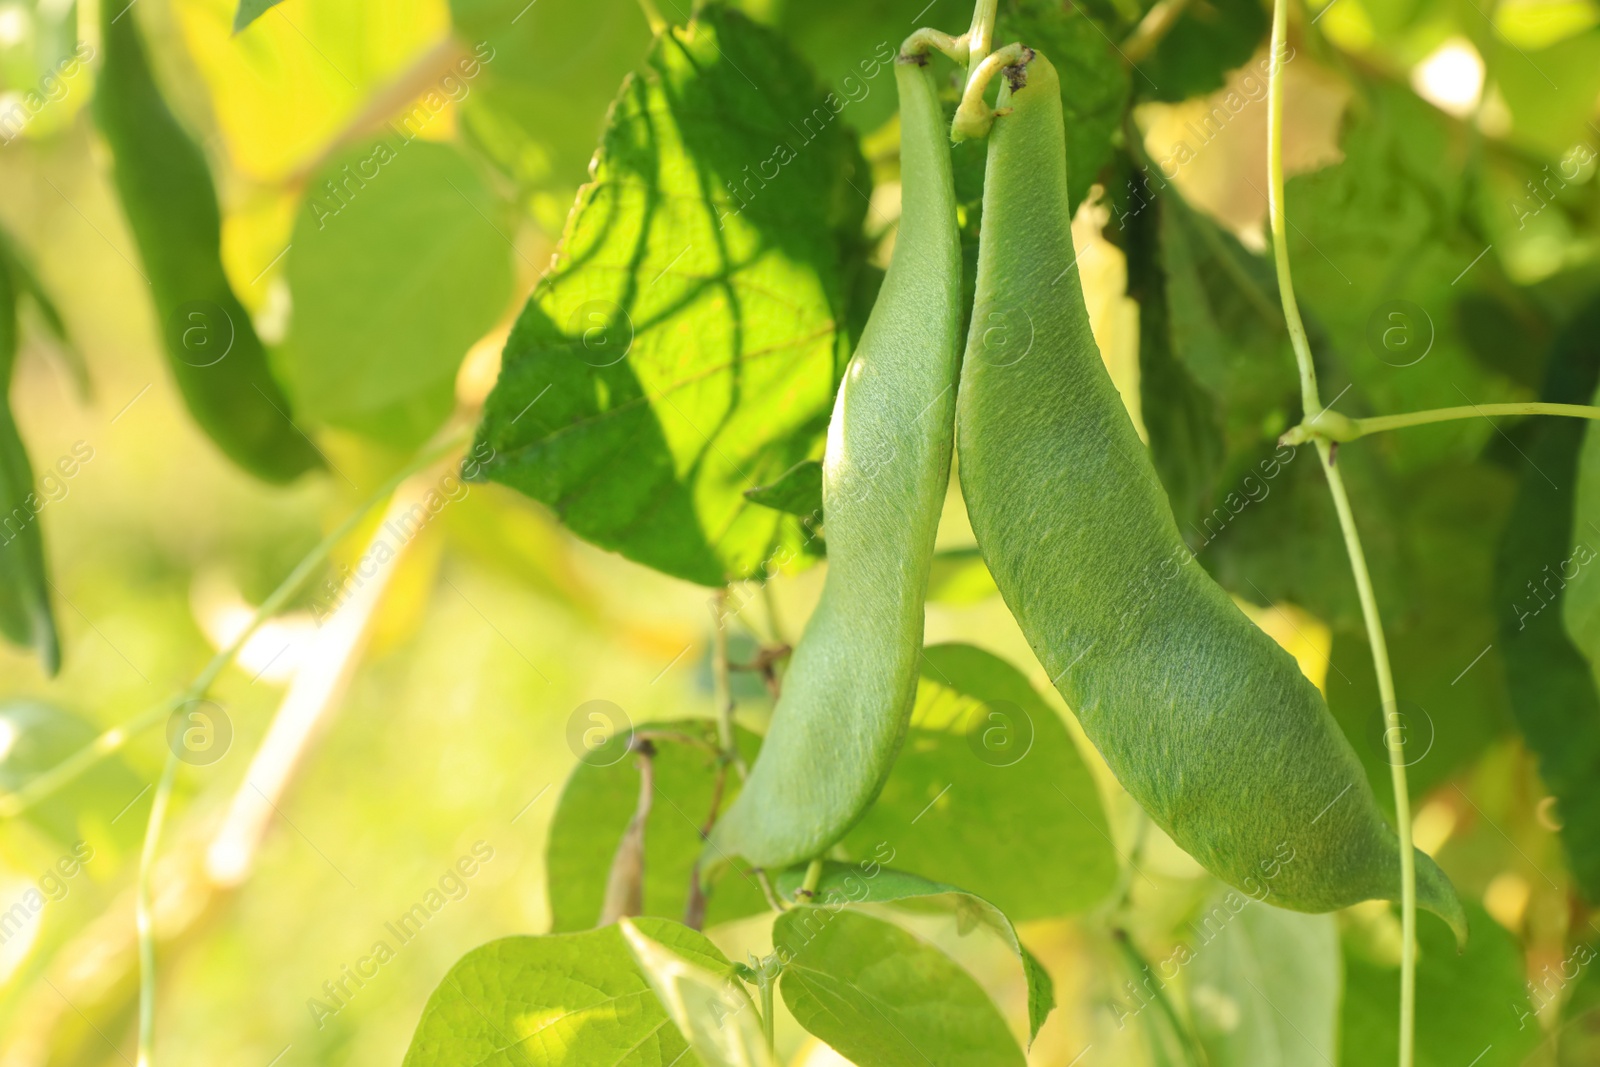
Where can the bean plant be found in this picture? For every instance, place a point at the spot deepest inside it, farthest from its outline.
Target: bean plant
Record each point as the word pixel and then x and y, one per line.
pixel 1076 682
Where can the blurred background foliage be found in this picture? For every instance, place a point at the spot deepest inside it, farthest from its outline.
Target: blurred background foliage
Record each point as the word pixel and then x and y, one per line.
pixel 393 178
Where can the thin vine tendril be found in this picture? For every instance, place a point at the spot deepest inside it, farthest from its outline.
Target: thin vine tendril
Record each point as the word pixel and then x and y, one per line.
pixel 1394 738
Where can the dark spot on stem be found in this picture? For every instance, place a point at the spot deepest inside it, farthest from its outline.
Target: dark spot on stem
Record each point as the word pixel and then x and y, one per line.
pixel 1333 453
pixel 1017 73
pixel 919 59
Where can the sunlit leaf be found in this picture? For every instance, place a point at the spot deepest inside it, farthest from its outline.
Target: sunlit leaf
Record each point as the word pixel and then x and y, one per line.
pixel 879 995
pixel 1265 986
pixel 400 261
pixel 709 1006
pixel 988 773
pixel 569 1000
pixel 685 346
pixel 599 799
pixel 869 882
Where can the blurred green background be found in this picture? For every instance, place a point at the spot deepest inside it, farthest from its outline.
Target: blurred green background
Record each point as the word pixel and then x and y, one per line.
pixel 440 714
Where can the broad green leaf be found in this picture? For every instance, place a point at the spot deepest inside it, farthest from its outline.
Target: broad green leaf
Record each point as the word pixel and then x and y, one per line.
pixel 1444 645
pixel 596 804
pixel 852 45
pixel 552 70
pixel 250 10
pixel 797 491
pixel 566 1000
pixel 879 995
pixel 1206 42
pixel 400 261
pixel 1469 1005
pixel 26 617
pixel 1548 543
pixel 686 344
pixel 1094 80
pixel 1382 249
pixel 1264 984
pixel 170 201
pixel 36 737
pixel 1550 93
pixel 989 793
pixel 709 1007
pixel 868 882
pixel 1182 417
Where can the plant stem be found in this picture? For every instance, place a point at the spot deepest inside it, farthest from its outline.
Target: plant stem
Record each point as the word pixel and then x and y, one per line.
pixel 1332 426
pixel 765 978
pixel 721 685
pixel 1151 29
pixel 974 116
pixel 1309 399
pixel 114 739
pixel 1393 737
pixel 980 38
pixel 808 888
pixel 652 15
pixel 144 912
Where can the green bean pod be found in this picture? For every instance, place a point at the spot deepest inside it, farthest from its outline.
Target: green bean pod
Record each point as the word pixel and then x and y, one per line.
pixel 25 614
pixel 171 204
pixel 1202 717
pixel 849 689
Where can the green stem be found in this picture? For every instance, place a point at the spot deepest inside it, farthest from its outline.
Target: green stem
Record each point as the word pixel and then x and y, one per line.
pixel 922 40
pixel 974 116
pixel 144 914
pixel 1394 739
pixel 1332 426
pixel 980 38
pixel 808 888
pixel 1280 242
pixel 1393 736
pixel 721 684
pixel 765 981
pixel 1152 28
pixel 652 15
pixel 114 739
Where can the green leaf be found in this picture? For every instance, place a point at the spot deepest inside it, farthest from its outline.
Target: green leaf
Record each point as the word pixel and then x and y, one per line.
pixel 596 804
pixel 1182 417
pixel 250 10
pixel 1267 989
pixel 1207 41
pixel 879 995
pixel 987 774
pixel 852 45
pixel 567 1000
pixel 709 1006
pixel 797 491
pixel 1548 543
pixel 400 261
pixel 38 737
pixel 171 204
pixel 868 882
pixel 1468 1005
pixel 26 617
pixel 1094 81
pixel 686 345
pixel 550 70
